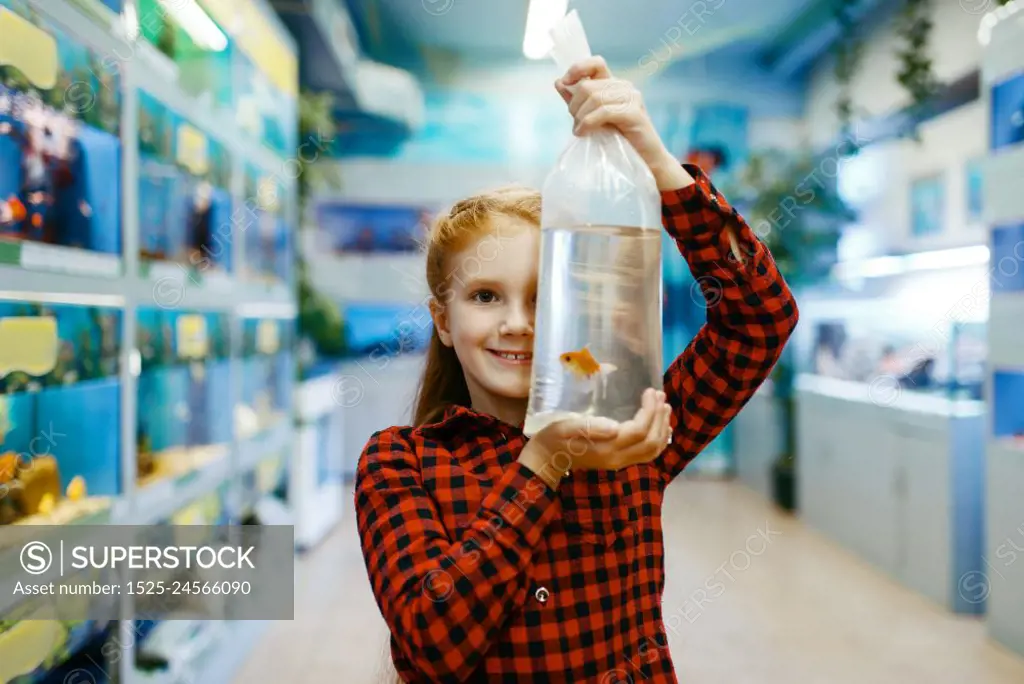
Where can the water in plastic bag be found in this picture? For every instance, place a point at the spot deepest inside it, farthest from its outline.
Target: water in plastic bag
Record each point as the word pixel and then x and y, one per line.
pixel 597 343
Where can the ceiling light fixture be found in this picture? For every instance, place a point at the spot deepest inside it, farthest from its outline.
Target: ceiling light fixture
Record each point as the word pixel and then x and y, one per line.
pixel 540 18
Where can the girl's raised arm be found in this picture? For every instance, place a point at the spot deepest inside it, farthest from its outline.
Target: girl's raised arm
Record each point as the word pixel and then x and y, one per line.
pixel 445 602
pixel 751 314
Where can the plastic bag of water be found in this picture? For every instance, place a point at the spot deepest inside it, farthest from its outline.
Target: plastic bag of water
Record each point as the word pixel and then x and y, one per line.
pixel 597 334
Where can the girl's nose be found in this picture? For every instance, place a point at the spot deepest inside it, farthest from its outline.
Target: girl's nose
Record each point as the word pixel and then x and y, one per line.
pixel 518 322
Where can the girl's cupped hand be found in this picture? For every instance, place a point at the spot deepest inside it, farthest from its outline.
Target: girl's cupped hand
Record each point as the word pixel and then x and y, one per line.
pixel 599 443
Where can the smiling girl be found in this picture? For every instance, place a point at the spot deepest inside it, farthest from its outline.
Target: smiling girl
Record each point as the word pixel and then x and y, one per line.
pixel 497 558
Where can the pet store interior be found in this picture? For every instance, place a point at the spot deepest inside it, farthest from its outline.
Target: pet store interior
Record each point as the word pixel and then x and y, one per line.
pixel 212 292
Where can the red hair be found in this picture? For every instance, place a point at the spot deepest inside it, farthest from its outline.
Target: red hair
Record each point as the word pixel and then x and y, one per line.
pixel 443 382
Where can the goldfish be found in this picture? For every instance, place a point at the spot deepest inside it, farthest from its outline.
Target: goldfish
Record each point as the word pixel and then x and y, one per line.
pixel 8 466
pixel 12 210
pixel 583 365
pixel 76 488
pixel 46 504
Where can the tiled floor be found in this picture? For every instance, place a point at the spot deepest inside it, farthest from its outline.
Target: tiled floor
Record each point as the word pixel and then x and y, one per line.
pixel 794 609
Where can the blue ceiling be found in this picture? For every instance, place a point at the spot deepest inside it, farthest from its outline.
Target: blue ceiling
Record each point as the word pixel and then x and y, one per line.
pixel 774 41
pixel 781 37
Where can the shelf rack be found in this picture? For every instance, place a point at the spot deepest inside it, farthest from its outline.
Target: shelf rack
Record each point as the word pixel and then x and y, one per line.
pixel 32 272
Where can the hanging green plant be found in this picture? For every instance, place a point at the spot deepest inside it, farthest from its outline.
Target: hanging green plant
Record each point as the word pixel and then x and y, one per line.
pixel 914 31
pixel 317 128
pixel 848 52
pixel 319 319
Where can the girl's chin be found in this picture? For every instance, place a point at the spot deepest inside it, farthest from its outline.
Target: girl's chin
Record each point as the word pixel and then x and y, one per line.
pixel 511 391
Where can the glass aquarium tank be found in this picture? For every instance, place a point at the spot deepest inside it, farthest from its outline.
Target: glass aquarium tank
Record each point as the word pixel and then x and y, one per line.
pixel 60 400
pixel 885 342
pixel 184 192
pixel 268 375
pixel 184 392
pixel 268 240
pixel 60 149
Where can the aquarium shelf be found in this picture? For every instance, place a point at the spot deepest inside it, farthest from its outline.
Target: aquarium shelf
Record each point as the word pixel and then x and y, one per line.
pixel 150 72
pixel 146 67
pixel 92 21
pixel 173 290
pixel 104 17
pixel 55 258
pixel 156 502
pixel 255 450
pixel 221 661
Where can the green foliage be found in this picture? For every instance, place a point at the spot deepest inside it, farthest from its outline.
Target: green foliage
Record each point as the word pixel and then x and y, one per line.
pixel 915 73
pixel 316 128
pixel 167 40
pixel 848 52
pixel 792 202
pixel 319 318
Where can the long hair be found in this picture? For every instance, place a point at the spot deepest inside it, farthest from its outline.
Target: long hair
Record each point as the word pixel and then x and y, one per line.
pixel 443 382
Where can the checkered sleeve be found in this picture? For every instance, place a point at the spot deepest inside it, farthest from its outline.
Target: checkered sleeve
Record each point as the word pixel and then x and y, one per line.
pixel 445 601
pixel 751 313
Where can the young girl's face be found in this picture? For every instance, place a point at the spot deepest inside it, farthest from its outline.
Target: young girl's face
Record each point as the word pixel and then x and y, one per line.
pixel 491 295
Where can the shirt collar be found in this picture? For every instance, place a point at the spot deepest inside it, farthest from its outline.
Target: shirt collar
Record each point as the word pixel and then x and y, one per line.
pixel 456 416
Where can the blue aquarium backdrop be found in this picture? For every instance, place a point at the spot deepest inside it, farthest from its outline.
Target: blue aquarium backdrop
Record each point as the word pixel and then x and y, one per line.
pixel 268 361
pixel 269 239
pixel 183 401
pixel 72 412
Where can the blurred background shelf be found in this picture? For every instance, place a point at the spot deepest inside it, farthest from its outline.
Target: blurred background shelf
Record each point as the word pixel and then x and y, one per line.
pixel 212 655
pixel 175 289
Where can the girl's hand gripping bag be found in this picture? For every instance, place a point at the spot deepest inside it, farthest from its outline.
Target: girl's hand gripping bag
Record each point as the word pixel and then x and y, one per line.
pixel 597 335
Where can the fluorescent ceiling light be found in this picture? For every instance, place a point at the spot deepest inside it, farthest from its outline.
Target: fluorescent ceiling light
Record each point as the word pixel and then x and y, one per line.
pixel 879 267
pixel 196 23
pixel 130 21
pixel 947 258
pixel 870 268
pixel 540 18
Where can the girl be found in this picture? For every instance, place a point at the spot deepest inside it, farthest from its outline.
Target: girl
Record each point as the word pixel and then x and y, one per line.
pixel 494 558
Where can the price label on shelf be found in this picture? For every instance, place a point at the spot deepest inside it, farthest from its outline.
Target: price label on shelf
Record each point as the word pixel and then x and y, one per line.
pixel 267 474
pixel 193 341
pixel 28 344
pixel 193 151
pixel 268 338
pixel 267 194
pixel 29 48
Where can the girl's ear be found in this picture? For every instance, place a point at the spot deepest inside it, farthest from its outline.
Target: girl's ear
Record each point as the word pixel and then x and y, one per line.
pixel 439 312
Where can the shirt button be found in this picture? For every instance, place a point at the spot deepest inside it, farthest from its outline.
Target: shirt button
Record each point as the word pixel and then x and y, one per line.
pixel 542 594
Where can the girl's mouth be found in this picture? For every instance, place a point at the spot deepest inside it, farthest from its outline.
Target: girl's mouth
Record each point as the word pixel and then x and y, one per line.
pixel 515 358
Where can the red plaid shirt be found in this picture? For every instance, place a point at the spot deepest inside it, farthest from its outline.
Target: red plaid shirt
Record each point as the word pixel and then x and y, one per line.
pixel 485 574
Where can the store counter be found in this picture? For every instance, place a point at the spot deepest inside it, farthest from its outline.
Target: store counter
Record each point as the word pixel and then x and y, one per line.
pixel 759 438
pixel 899 479
pixel 1003 579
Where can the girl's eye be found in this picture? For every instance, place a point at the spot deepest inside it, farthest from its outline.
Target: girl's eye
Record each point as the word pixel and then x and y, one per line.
pixel 484 296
